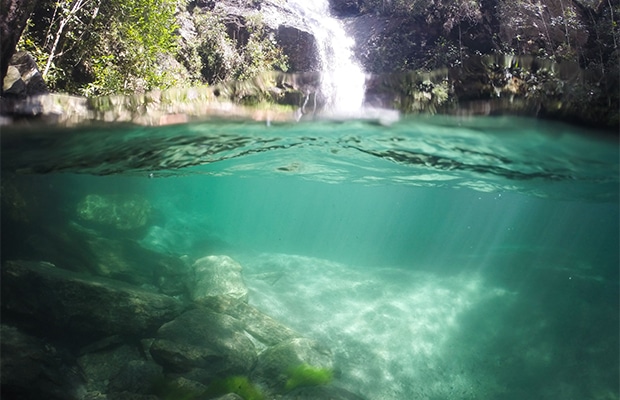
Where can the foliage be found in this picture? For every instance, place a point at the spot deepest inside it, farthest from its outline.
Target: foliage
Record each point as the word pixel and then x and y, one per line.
pixel 98 47
pixel 223 58
pixel 444 53
pixel 424 96
pixel 28 42
pixel 132 47
pixel 240 385
pixel 307 375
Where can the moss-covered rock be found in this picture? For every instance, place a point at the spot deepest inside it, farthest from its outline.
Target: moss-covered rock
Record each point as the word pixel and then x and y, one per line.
pixel 239 385
pixel 122 212
pixel 279 365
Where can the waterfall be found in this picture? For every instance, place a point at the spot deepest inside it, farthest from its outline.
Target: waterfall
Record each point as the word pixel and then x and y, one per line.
pixel 342 78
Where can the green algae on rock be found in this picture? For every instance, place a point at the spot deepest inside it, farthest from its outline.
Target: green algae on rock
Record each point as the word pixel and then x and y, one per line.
pixel 307 375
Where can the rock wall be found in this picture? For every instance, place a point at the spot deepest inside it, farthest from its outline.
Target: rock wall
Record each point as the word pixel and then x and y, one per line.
pixel 287 28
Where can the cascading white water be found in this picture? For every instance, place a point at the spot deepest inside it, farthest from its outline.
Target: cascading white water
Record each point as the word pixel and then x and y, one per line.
pixel 342 78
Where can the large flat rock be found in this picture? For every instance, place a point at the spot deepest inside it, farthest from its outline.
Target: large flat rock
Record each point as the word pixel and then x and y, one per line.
pixel 203 344
pixel 74 303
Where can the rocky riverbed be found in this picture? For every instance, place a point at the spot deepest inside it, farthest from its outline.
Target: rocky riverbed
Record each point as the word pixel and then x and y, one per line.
pixel 89 313
pixel 88 337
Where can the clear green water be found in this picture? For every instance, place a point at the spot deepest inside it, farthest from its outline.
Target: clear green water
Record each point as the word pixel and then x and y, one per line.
pixel 439 258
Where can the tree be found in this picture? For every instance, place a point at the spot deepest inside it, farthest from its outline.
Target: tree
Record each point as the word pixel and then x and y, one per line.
pixel 97 47
pixel 13 17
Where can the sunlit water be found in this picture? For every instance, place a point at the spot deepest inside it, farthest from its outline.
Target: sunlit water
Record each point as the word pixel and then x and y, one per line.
pixel 438 258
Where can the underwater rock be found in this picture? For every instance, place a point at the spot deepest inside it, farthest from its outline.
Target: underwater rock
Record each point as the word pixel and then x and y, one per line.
pixel 321 392
pixel 127 261
pixel 122 212
pixel 261 326
pixel 100 366
pixel 275 362
pixel 70 246
pixel 103 344
pixel 201 344
pixel 121 371
pixel 70 303
pixel 229 396
pixel 131 396
pixel 137 376
pixel 218 283
pixel 178 388
pixel 35 369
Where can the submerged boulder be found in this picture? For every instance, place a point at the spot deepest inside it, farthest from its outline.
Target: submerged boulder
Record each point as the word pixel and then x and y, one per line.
pixel 137 376
pixel 71 303
pixel 321 392
pixel 201 344
pixel 276 363
pixel 262 327
pixel 128 261
pixel 218 282
pixel 117 369
pixel 122 212
pixel 35 369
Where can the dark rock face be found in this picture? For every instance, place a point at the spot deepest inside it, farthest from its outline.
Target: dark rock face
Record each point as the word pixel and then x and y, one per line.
pixel 136 376
pixel 32 368
pixel 118 369
pixel 300 47
pixel 13 17
pixel 203 344
pixel 387 44
pixel 68 302
pixel 345 8
pixel 288 28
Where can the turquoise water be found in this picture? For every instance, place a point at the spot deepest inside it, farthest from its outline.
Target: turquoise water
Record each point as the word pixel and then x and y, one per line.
pixel 439 258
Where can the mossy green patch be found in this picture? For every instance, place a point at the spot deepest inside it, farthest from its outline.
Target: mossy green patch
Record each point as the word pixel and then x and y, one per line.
pixel 240 385
pixel 307 375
